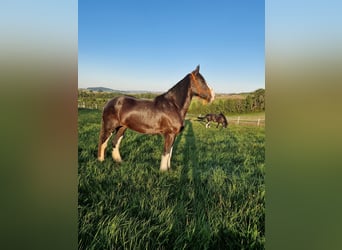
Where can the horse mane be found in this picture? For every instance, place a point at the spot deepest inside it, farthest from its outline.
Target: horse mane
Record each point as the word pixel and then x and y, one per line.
pixel 178 94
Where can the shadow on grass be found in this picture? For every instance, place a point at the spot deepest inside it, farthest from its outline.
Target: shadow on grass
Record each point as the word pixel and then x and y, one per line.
pixel 193 225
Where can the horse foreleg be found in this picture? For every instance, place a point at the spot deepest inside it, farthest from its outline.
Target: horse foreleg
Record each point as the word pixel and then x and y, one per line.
pixel 116 144
pixel 207 125
pixel 165 163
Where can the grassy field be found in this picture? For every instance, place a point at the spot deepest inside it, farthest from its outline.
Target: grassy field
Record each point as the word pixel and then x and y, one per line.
pixel 214 197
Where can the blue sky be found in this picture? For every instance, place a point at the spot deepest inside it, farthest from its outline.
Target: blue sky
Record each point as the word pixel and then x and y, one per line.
pixel 151 45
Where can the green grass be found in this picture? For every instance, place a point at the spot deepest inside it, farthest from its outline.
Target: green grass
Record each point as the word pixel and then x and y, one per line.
pixel 214 197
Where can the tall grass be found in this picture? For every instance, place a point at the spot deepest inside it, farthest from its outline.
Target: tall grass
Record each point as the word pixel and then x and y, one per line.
pixel 214 197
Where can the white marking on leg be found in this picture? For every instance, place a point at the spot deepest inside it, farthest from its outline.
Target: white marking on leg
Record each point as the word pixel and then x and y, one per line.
pixel 164 162
pixel 207 125
pixel 115 153
pixel 169 160
pixel 103 147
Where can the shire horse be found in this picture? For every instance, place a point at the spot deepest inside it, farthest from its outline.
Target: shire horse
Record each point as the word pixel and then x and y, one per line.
pixel 163 115
pixel 220 119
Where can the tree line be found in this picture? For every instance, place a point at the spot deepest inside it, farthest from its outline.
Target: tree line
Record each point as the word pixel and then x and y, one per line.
pixel 252 102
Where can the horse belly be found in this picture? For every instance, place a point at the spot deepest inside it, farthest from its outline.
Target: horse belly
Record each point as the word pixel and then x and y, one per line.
pixel 142 122
pixel 152 123
pixel 144 128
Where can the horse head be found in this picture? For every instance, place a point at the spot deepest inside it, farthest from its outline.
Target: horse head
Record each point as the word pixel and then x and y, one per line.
pixel 199 86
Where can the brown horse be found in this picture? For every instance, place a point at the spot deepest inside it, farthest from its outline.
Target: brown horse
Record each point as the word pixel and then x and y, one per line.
pixel 164 115
pixel 220 119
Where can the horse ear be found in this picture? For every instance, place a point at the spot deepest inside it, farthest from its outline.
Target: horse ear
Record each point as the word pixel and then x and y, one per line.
pixel 196 71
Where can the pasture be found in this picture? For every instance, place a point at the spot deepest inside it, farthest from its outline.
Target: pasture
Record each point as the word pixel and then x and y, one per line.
pixel 213 198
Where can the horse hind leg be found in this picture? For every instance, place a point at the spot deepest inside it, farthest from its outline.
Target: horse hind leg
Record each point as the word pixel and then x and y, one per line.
pixel 116 144
pixel 169 160
pixel 107 129
pixel 103 141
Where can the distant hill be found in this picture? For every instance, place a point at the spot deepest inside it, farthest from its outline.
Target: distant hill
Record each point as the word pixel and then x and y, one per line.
pixel 102 89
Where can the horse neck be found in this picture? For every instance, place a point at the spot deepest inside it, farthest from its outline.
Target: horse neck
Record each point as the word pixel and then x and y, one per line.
pixel 181 95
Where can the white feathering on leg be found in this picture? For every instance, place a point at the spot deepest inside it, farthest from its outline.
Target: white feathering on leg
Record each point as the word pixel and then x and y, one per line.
pixel 116 153
pixel 164 162
pixel 169 160
pixel 103 147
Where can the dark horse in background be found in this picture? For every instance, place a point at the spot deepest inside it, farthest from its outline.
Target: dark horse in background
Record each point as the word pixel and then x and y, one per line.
pixel 164 115
pixel 219 118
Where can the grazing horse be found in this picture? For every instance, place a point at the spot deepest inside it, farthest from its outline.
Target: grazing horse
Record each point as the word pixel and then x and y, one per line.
pixel 220 118
pixel 164 115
